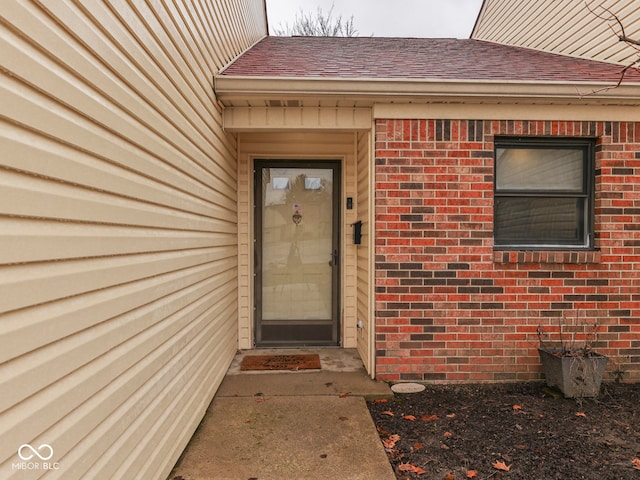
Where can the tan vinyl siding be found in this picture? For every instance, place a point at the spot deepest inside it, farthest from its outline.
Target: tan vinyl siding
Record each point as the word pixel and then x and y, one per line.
pixel 566 27
pixel 365 341
pixel 118 221
pixel 295 145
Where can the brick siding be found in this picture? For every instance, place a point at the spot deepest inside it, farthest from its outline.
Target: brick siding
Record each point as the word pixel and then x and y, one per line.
pixel 451 309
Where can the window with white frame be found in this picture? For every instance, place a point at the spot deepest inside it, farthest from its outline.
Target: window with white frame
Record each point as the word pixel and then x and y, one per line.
pixel 543 193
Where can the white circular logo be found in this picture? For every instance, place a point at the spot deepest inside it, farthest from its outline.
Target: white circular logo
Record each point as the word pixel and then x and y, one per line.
pixel 27 452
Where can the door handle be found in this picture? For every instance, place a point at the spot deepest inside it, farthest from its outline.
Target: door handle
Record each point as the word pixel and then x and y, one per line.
pixel 334 259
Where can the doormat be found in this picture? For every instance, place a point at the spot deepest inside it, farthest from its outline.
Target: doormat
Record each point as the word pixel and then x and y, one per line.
pixel 280 362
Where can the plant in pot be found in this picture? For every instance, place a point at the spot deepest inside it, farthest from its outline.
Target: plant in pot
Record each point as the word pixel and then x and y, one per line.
pixel 569 361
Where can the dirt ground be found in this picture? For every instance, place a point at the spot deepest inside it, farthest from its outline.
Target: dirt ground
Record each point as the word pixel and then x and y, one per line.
pixel 455 432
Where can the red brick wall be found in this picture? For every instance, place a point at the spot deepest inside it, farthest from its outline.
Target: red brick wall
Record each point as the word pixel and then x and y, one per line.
pixel 449 308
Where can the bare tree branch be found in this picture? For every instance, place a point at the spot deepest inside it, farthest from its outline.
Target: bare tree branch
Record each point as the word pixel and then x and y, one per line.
pixel 318 25
pixel 622 37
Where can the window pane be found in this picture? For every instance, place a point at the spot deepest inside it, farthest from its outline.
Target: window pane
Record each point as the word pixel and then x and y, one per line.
pixel 314 183
pixel 539 221
pixel 535 169
pixel 280 183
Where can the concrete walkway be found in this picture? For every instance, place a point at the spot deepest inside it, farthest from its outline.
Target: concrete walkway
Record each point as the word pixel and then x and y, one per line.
pixel 311 425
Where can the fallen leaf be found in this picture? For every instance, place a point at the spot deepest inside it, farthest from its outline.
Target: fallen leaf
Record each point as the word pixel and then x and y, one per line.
pixel 448 434
pixel 381 430
pixel 498 465
pixel 581 414
pixel 387 412
pixel 388 444
pixel 260 399
pixel 517 407
pixel 429 418
pixel 472 473
pixel 418 446
pixel 380 400
pixel 407 467
pixel 391 441
pixel 636 463
pixel 409 417
pixel 344 394
pixel 451 415
pixel 449 477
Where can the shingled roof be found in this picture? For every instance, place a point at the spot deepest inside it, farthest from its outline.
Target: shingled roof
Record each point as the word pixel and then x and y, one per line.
pixel 414 58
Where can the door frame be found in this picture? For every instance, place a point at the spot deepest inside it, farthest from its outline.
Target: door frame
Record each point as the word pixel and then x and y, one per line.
pixel 336 166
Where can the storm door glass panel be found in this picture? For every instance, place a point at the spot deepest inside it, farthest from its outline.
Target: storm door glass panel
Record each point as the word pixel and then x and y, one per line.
pixel 298 256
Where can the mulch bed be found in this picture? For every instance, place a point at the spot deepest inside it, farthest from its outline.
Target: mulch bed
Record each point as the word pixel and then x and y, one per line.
pixel 455 432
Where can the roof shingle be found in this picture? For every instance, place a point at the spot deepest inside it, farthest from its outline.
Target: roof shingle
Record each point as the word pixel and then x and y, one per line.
pixel 415 58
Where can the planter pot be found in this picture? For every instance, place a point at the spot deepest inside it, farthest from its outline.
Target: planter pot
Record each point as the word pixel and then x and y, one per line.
pixel 575 376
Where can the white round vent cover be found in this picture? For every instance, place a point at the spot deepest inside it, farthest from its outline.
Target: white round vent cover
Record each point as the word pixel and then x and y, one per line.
pixel 407 388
